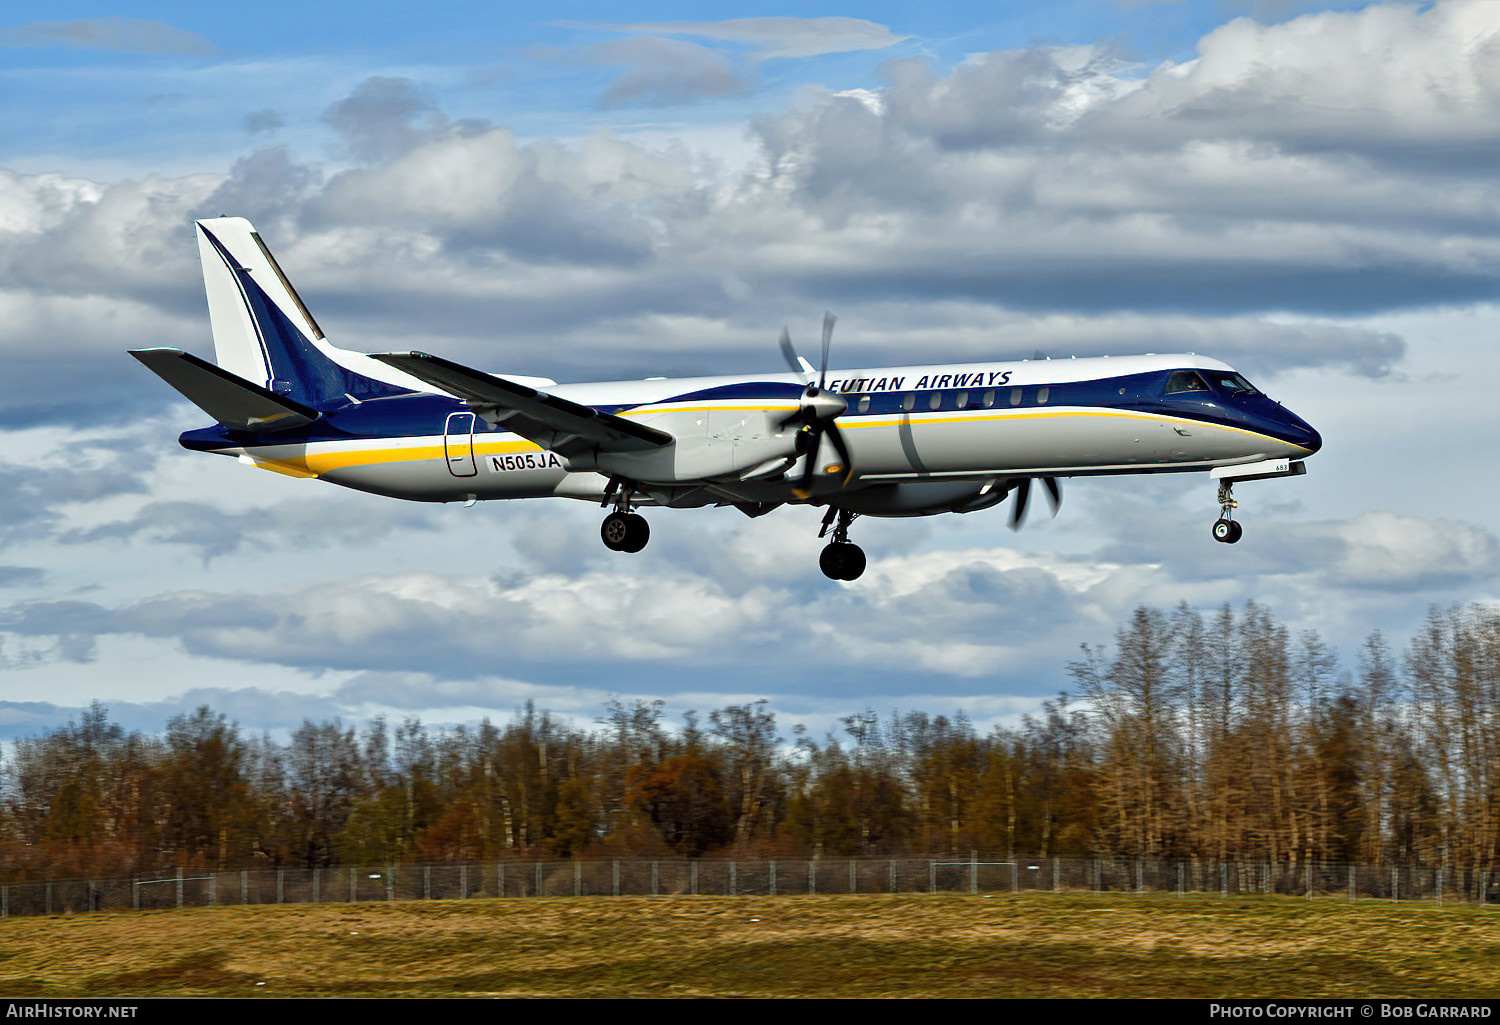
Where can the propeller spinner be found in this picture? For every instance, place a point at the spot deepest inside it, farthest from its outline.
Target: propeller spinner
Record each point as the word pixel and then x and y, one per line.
pixel 816 412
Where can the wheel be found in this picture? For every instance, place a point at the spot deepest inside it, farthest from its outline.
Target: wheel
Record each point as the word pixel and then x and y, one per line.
pixel 614 531
pixel 1227 531
pixel 842 561
pixel 625 532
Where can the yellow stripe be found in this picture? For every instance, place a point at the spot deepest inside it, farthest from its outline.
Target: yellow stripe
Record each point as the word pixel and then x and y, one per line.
pixel 317 463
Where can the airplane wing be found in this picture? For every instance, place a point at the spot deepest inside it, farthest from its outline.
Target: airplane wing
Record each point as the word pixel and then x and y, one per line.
pixel 546 419
pixel 230 399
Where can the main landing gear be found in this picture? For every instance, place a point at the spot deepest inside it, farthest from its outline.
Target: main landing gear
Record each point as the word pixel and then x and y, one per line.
pixel 623 530
pixel 842 559
pixel 1226 529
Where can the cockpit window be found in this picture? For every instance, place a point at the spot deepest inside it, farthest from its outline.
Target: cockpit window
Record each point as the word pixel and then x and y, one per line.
pixel 1233 384
pixel 1185 381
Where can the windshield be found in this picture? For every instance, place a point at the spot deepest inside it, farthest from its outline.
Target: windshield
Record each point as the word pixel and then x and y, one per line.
pixel 1233 384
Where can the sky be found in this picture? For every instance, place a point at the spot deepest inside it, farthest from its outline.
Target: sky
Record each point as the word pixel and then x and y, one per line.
pixel 1304 190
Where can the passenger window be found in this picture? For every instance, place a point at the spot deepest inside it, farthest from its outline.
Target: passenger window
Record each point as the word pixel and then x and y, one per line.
pixel 864 403
pixel 1015 396
pixel 1041 395
pixel 936 402
pixel 989 399
pixel 962 402
pixel 908 401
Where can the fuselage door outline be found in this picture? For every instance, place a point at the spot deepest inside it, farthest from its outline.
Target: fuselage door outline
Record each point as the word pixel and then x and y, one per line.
pixel 458 444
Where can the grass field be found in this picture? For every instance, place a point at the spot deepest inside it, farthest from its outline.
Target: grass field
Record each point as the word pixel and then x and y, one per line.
pixel 1034 945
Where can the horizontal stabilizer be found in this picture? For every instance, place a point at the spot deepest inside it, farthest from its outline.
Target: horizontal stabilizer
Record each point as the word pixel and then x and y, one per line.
pixel 541 417
pixel 231 400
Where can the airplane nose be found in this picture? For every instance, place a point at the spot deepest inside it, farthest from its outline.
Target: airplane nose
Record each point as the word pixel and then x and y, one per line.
pixel 1301 434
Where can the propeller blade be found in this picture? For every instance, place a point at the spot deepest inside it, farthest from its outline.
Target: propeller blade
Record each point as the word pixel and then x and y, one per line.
pixel 1018 510
pixel 1054 492
pixel 808 442
pixel 828 321
pixel 790 355
pixel 836 436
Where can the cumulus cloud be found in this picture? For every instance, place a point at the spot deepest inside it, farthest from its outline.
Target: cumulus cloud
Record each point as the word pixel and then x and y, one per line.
pixel 384 117
pixel 1414 82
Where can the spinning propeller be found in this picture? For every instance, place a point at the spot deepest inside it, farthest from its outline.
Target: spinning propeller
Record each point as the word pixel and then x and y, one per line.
pixel 1023 496
pixel 816 412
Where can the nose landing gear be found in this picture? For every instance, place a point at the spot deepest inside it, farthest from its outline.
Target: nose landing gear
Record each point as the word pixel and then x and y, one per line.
pixel 842 559
pixel 1226 529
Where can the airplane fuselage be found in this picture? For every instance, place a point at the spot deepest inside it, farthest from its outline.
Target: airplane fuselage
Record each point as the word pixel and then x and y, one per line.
pixel 917 425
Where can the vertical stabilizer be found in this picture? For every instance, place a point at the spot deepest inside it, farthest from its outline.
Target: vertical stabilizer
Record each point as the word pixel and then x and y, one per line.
pixel 264 333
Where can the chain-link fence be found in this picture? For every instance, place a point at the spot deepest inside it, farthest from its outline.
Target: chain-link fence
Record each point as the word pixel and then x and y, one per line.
pixel 713 877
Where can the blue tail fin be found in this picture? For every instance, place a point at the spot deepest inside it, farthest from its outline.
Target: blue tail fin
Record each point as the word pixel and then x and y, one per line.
pixel 263 332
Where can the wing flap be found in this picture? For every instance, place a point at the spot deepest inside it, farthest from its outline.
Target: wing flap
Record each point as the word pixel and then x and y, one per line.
pixel 230 399
pixel 549 420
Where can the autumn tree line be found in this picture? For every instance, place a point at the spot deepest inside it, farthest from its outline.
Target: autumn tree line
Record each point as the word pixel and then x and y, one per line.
pixel 1222 736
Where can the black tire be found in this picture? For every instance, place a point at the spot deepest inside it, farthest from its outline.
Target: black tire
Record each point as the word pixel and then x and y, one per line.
pixel 1227 531
pixel 842 561
pixel 638 533
pixel 854 561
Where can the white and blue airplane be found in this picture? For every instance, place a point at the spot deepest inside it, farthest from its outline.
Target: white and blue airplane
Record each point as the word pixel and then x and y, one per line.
pixel 889 441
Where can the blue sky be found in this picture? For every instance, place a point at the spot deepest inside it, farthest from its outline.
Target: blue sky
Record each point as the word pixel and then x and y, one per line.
pixel 1301 189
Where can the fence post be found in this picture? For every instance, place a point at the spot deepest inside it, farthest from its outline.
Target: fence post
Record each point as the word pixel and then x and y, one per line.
pixel 179 887
pixel 463 881
pixel 973 871
pixel 893 875
pixel 538 879
pixel 280 884
pixel 694 874
pixel 390 882
pixel 1056 883
pixel 244 887
pixel 931 876
pixel 853 877
pixel 577 878
pixel 732 865
pixel 773 877
pixel 654 886
pixel 135 894
pixel 1351 884
pixel 317 887
pixel 615 877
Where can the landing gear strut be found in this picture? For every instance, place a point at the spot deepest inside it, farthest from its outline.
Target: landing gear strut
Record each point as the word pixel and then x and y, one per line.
pixel 623 530
pixel 842 559
pixel 1226 529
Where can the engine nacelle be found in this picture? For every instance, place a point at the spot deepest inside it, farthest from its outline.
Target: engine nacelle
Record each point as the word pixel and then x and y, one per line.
pixel 925 498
